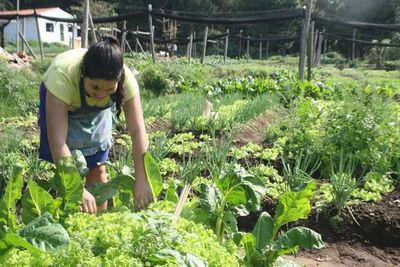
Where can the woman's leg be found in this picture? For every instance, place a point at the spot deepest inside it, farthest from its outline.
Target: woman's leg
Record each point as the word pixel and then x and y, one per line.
pixel 97 175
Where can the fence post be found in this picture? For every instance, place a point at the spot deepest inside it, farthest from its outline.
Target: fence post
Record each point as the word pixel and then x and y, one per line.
pixel 260 46
pixel 38 35
pixel 92 28
pixel 240 42
pixel 315 44
pixel 204 45
pixel 248 46
pixel 123 37
pixel 353 50
pixel 153 54
pixel 85 24
pixel 310 52
pixel 226 45
pixel 190 47
pixel 303 43
pixel 319 48
pixel 194 44
pixel 267 48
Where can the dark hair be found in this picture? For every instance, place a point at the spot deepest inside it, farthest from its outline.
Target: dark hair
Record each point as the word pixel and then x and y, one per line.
pixel 105 60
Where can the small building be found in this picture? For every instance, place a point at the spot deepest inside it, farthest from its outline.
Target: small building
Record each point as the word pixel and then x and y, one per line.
pixel 50 31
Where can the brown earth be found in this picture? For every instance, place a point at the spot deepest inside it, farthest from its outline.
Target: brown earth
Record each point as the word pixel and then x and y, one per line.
pixel 371 238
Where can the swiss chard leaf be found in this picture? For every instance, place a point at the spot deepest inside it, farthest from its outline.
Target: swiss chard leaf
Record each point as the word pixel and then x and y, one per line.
pixel 153 175
pixel 11 194
pixel 80 162
pixel 263 231
pixel 44 234
pixel 293 206
pixel 230 222
pixel 209 198
pixel 171 194
pixel 14 240
pixel 69 184
pixel 297 237
pixel 36 201
pixel 253 257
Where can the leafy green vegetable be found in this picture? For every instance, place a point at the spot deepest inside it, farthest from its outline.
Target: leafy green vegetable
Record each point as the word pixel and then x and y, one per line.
pixel 153 175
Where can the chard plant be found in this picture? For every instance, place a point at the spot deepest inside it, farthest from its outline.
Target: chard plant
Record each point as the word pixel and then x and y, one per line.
pixel 40 232
pixel 265 243
pixel 234 193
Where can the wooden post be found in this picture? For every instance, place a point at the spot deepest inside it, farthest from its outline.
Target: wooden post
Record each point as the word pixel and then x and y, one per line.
pixel 240 42
pixel 129 47
pixel 310 54
pixel 190 47
pixel 303 43
pixel 353 48
pixel 226 45
pixel 260 46
pixel 194 45
pixel 136 38
pixel 17 28
pixel 73 33
pixel 319 48
pixel 248 46
pixel 153 54
pixel 315 44
pixel 123 37
pixel 39 36
pixel 85 24
pixel 325 47
pixel 267 48
pixel 203 55
pixel 27 45
pixel 2 36
pixel 23 32
pixel 92 28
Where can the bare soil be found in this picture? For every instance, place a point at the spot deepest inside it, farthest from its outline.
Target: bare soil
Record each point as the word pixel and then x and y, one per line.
pixel 374 240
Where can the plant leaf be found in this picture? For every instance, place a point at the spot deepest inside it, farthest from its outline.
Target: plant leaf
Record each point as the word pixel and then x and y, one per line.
pixel 171 194
pixel 263 230
pixel 103 191
pixel 153 175
pixel 15 240
pixel 253 257
pixel 209 198
pixel 36 201
pixel 293 206
pixel 230 222
pixel 12 193
pixel 69 184
pixel 44 234
pixel 297 237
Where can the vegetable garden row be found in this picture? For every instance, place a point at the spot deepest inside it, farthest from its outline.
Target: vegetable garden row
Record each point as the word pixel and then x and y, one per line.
pixel 317 148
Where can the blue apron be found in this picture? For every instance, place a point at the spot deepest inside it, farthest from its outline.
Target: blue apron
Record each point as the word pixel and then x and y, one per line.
pixel 89 129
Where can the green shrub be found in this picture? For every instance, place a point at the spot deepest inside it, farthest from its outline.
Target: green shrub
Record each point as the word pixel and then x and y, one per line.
pixel 391 65
pixel 41 65
pixel 155 81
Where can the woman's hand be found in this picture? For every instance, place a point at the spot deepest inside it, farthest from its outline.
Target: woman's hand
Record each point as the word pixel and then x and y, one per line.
pixel 89 203
pixel 142 194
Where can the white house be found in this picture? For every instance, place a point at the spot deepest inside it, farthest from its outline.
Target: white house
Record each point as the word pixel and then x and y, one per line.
pixel 50 31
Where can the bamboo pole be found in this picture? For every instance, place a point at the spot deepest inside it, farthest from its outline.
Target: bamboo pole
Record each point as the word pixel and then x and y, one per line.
pixel 226 45
pixel 153 54
pixel 303 43
pixel 203 55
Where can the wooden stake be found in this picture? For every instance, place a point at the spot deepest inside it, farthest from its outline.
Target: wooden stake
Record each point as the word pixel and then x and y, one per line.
pixel 319 48
pixel 248 46
pixel 240 42
pixel 153 53
pixel 353 48
pixel 226 45
pixel 267 48
pixel 92 28
pixel 181 203
pixel 85 24
pixel 39 36
pixel 203 55
pixel 27 45
pixel 190 48
pixel 303 43
pixel 310 52
pixel 260 46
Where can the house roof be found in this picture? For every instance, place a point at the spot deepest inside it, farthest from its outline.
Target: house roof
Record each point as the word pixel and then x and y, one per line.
pixel 27 12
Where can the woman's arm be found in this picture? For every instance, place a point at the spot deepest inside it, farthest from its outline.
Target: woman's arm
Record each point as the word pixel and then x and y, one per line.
pixel 135 124
pixel 57 126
